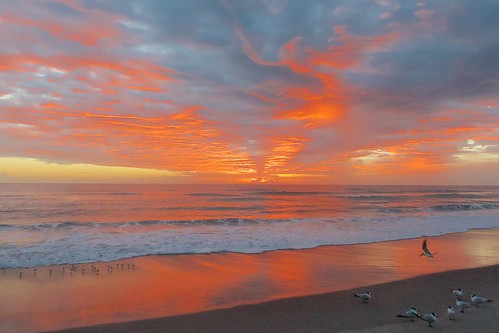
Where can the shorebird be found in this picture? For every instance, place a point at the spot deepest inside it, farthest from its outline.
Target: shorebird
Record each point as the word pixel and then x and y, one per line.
pixel 426 251
pixel 411 314
pixel 462 304
pixel 457 292
pixel 477 300
pixel 451 312
pixel 364 296
pixel 430 318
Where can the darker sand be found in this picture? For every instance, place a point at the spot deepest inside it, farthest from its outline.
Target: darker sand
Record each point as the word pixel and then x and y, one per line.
pixel 171 286
pixel 340 311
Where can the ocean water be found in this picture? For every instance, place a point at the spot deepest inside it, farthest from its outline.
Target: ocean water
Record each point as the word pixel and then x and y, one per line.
pixel 42 224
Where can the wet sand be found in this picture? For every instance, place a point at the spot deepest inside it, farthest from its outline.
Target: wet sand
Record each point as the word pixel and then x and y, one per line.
pixel 341 312
pixel 166 286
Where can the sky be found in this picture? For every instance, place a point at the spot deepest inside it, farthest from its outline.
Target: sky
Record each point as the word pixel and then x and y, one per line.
pixel 250 91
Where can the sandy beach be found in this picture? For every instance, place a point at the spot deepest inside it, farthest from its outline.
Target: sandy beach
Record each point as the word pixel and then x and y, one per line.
pixel 277 291
pixel 341 312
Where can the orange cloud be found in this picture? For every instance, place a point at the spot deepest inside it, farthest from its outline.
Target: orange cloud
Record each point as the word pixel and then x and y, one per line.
pixel 182 141
pixel 398 163
pixel 95 95
pixel 330 101
pixel 314 113
pixel 284 149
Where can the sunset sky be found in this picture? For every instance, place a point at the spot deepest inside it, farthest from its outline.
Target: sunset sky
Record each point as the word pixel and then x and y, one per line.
pixel 233 91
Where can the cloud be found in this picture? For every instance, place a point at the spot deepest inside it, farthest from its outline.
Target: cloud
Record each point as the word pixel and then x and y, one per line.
pixel 436 58
pixel 265 90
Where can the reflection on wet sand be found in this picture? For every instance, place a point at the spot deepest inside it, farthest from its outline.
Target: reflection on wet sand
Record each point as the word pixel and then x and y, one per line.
pixel 46 298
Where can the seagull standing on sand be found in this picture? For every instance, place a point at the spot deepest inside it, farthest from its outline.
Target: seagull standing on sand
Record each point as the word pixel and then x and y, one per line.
pixel 426 251
pixel 430 318
pixel 411 313
pixel 462 304
pixel 457 292
pixel 477 300
pixel 451 312
pixel 364 296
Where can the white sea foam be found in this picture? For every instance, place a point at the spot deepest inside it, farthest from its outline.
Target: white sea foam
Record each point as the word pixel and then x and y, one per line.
pixel 34 245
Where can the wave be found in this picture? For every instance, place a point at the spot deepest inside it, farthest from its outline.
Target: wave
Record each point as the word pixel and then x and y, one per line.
pixel 456 189
pixel 166 223
pixel 121 193
pixel 78 242
pixel 210 194
pixel 213 208
pixel 399 210
pixel 454 195
pixel 376 197
pixel 290 193
pixel 452 207
pixel 466 206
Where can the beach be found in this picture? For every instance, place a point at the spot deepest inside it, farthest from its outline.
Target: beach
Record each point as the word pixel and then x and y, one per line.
pixel 286 290
pixel 340 312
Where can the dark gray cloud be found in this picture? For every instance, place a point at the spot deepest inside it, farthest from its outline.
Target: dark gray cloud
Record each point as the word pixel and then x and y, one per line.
pixel 454 54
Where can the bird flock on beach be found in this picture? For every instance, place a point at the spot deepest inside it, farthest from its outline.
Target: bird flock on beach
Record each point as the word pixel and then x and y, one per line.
pixel 432 317
pixel 74 270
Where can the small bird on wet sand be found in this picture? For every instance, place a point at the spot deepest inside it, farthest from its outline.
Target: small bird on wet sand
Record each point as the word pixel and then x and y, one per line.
pixel 426 251
pixel 430 318
pixel 462 304
pixel 457 292
pixel 411 313
pixel 451 312
pixel 364 296
pixel 477 300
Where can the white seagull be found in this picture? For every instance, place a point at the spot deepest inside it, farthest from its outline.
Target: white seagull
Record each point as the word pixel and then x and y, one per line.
pixel 426 251
pixel 430 318
pixel 457 292
pixel 411 313
pixel 451 312
pixel 364 296
pixel 477 300
pixel 462 304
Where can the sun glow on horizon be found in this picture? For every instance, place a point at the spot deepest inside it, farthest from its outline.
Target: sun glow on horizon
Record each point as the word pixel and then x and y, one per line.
pixel 17 170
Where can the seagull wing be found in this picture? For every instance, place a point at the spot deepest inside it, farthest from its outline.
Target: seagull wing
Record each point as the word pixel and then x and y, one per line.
pixel 425 246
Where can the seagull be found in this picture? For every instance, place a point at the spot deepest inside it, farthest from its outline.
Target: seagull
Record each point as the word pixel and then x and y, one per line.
pixel 430 318
pixel 457 292
pixel 411 313
pixel 451 312
pixel 364 296
pixel 462 304
pixel 426 251
pixel 477 300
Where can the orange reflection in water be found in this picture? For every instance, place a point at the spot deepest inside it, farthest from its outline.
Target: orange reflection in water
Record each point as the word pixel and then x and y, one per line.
pixel 168 285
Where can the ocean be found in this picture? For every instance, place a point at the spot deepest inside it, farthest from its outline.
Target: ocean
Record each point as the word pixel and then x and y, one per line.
pixel 45 224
